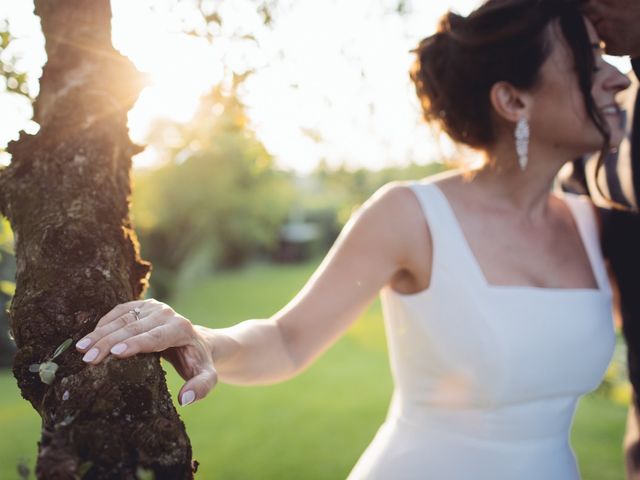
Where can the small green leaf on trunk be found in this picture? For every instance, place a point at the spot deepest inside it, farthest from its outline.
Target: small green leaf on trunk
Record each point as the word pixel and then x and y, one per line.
pixel 84 468
pixel 144 474
pixel 62 347
pixel 66 421
pixel 48 372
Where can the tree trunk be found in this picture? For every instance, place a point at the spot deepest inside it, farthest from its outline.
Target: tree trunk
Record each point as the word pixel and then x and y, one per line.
pixel 66 194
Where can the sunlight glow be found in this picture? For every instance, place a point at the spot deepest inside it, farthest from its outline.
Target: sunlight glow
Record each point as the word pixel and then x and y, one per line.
pixel 331 78
pixel 180 67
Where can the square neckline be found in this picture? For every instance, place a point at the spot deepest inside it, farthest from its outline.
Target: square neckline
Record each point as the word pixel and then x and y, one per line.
pixel 525 288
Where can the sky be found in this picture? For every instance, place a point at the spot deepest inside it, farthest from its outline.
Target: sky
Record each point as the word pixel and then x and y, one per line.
pixel 331 78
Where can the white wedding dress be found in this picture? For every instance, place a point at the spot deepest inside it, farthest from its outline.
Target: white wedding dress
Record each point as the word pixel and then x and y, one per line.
pixel 487 377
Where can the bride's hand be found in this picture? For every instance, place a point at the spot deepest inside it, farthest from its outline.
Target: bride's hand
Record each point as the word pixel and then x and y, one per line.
pixel 150 326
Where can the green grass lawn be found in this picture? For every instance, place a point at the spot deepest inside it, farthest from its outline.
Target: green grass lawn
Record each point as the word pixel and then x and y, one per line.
pixel 314 426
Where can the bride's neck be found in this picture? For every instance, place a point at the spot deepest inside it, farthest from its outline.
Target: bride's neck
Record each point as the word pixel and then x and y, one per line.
pixel 525 191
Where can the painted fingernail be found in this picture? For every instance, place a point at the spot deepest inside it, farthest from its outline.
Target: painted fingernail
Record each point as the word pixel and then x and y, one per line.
pixel 84 343
pixel 91 355
pixel 188 397
pixel 118 348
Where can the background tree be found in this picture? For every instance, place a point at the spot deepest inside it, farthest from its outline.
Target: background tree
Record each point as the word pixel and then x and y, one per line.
pixel 16 79
pixel 66 194
pixel 15 83
pixel 216 203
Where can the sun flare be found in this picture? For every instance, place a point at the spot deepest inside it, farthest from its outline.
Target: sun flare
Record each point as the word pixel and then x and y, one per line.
pixel 179 68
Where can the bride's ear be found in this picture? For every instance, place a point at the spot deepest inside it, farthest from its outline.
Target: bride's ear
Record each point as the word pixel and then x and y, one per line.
pixel 508 102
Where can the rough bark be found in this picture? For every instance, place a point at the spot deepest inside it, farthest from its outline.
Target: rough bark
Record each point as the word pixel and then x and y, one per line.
pixel 66 194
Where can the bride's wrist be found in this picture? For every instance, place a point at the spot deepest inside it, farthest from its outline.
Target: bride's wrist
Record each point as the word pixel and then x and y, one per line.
pixel 214 341
pixel 204 335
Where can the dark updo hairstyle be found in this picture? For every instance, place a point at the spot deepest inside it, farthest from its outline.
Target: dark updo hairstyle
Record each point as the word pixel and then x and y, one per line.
pixel 503 40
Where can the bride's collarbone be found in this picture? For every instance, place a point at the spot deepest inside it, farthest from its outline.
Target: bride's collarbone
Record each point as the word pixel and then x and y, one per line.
pixel 506 254
pixel 551 256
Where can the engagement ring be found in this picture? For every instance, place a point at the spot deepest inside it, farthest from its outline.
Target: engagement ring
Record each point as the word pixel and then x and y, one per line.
pixel 136 313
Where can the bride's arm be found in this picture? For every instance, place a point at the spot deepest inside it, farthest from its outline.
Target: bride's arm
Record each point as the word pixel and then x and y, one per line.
pixel 375 244
pixel 372 247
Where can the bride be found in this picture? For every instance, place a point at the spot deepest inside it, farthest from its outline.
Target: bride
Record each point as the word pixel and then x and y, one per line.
pixel 496 301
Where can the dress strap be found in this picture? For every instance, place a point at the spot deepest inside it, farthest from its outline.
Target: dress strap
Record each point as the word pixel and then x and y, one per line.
pixel 451 252
pixel 585 218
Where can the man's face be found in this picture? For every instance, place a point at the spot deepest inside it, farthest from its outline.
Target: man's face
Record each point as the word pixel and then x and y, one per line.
pixel 617 23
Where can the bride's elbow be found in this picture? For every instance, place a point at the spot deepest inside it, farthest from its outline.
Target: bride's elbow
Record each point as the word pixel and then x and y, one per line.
pixel 297 353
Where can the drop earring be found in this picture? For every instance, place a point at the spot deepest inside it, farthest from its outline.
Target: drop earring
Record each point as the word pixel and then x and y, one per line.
pixel 522 142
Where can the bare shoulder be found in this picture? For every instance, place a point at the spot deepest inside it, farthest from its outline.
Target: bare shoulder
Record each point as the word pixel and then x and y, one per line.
pixel 400 223
pixel 400 194
pixel 398 201
pixel 394 198
pixel 395 205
